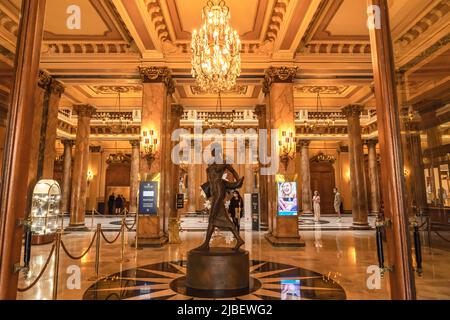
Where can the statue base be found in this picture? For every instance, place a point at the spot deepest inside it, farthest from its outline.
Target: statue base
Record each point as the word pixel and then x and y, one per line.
pixel 220 269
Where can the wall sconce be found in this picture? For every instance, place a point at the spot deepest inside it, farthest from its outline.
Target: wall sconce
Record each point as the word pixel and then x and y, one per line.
pixel 149 146
pixel 90 176
pixel 287 148
pixel 406 172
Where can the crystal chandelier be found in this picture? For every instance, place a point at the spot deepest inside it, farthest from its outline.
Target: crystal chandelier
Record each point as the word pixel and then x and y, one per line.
pixel 216 61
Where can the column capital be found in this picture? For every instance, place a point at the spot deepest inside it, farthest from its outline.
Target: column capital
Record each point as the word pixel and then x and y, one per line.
pixel 158 75
pixel 57 87
pixel 303 143
pixel 68 143
pixel 135 143
pixel 84 110
pixel 95 149
pixel 44 79
pixel 352 110
pixel 371 142
pixel 177 110
pixel 260 110
pixel 278 75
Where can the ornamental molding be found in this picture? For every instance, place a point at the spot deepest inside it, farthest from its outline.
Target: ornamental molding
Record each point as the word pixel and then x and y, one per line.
pixel 238 89
pixel 110 48
pixel 278 74
pixel 177 111
pixel 44 80
pixel 158 74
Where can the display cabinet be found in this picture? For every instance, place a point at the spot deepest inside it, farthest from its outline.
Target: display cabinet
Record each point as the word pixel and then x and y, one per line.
pixel 45 211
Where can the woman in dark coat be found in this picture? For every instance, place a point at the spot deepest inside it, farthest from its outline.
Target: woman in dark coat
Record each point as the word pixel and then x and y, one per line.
pixel 236 209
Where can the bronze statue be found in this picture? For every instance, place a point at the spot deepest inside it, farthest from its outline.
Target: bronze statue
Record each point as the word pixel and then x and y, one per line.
pixel 215 189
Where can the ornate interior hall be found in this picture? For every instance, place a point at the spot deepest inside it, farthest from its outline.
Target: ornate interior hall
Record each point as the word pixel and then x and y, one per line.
pixel 336 114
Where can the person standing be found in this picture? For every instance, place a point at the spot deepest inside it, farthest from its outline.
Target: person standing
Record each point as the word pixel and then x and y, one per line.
pixel 316 203
pixel 236 209
pixel 119 204
pixel 111 202
pixel 337 203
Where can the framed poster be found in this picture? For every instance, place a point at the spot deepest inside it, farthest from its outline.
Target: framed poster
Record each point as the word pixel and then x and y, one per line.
pixel 180 201
pixel 287 198
pixel 148 197
pixel 255 211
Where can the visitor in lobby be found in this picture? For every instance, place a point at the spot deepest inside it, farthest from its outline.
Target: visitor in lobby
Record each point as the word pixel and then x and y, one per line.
pixel 236 209
pixel 337 203
pixel 111 202
pixel 316 202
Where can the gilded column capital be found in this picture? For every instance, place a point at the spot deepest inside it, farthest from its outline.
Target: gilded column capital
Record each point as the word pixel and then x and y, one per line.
pixel 303 143
pixel 260 110
pixel 158 75
pixel 95 149
pixel 135 143
pixel 84 110
pixel 371 142
pixel 177 110
pixel 44 79
pixel 57 87
pixel 352 110
pixel 278 75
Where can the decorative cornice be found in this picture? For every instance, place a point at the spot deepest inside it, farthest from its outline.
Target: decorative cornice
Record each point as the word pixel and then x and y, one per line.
pixel 278 14
pixel 52 49
pixel 277 75
pixel 84 110
pixel 158 74
pixel 353 110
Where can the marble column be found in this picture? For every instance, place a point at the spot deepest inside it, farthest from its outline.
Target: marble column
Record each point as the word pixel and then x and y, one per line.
pixel 375 198
pixel 67 178
pixel 17 151
pixel 401 278
pixel 48 131
pixel 261 113
pixel 80 167
pixel 356 157
pixel 158 88
pixel 192 190
pixel 306 178
pixel 134 175
pixel 279 90
pixel 173 175
pixel 249 180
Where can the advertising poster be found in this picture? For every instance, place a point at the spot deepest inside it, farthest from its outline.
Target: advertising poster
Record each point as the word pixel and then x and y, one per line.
pixel 287 199
pixel 148 198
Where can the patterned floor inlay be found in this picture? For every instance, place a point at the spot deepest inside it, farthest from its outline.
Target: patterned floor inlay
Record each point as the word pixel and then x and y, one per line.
pixel 165 281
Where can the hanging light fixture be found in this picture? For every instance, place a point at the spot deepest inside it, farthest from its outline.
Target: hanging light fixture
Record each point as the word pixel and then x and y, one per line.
pixel 117 123
pixel 216 60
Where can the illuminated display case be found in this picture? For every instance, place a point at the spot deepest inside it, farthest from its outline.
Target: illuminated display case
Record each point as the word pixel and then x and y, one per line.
pixel 45 211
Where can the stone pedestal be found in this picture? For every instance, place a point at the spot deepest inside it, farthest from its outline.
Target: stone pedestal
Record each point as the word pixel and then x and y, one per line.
pixel 219 269
pixel 149 232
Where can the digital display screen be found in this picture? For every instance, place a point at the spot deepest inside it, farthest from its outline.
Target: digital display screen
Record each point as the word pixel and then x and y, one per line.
pixel 287 199
pixel 290 290
pixel 148 198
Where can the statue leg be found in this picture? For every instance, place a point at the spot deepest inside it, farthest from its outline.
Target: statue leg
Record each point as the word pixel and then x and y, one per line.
pixel 209 233
pixel 238 238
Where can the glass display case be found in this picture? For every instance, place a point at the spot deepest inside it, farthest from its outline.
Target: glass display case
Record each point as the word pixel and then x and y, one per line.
pixel 45 211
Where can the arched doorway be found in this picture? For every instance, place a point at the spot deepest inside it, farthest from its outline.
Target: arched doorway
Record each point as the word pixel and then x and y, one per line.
pixel 117 181
pixel 323 180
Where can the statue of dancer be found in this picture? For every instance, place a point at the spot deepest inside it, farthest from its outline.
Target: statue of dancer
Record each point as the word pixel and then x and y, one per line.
pixel 215 189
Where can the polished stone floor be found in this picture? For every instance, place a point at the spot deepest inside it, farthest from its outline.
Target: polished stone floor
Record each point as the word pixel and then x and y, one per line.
pixel 332 265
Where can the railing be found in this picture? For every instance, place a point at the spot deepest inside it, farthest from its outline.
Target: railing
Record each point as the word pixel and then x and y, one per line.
pixel 59 244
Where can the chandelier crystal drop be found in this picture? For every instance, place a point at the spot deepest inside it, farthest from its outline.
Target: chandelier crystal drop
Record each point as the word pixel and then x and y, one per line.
pixel 216 47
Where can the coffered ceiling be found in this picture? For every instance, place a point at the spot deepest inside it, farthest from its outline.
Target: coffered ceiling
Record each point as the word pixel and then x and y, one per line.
pixel 327 39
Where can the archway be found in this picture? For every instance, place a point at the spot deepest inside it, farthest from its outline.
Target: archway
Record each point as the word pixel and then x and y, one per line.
pixel 323 180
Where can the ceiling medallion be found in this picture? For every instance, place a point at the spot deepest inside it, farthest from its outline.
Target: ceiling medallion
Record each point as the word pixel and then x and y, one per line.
pixel 216 60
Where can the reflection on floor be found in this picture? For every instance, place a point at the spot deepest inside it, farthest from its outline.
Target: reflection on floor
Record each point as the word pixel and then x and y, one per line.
pixel 271 281
pixel 343 256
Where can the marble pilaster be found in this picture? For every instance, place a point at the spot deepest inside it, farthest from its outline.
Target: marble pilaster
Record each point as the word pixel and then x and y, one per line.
pixel 375 198
pixel 357 181
pixel 134 175
pixel 306 177
pixel 67 177
pixel 80 167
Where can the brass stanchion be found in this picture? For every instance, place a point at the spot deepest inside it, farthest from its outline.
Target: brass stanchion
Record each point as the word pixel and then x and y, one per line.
pixel 97 253
pixel 122 243
pixel 56 265
pixel 92 219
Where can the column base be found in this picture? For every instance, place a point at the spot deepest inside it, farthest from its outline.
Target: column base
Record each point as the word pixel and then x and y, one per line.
pixel 264 227
pixel 307 214
pixel 76 227
pixel 284 241
pixel 151 242
pixel 356 226
pixel 374 213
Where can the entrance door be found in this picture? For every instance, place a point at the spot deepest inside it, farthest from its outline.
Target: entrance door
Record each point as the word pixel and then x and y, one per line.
pixel 323 180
